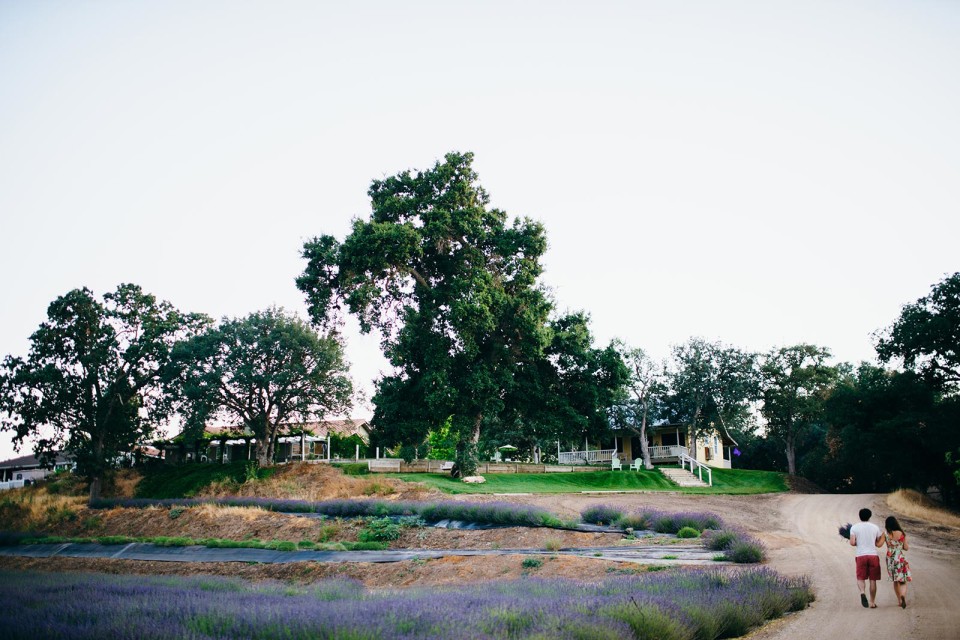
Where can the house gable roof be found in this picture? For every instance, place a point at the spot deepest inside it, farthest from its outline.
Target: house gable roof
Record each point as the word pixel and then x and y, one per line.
pixel 32 462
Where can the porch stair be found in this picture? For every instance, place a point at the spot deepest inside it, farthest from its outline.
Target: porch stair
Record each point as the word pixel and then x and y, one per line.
pixel 683 478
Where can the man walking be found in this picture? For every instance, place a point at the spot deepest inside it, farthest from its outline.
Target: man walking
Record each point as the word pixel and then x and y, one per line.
pixel 866 536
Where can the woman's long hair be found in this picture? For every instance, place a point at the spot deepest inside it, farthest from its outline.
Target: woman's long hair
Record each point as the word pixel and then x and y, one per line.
pixel 892 525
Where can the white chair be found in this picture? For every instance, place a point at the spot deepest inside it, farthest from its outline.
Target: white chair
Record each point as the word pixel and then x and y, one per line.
pixel 637 464
pixel 615 465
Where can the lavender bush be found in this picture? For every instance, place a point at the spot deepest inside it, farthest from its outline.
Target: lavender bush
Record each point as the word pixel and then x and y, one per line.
pixel 601 514
pixel 484 513
pixel 670 605
pixel 737 545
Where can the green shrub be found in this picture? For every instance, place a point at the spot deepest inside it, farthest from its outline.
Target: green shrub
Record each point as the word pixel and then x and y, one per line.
pixel 379 530
pixel 307 544
pixel 688 532
pixel 175 513
pixel 116 539
pixel 354 469
pixel 364 546
pixel 328 531
pixel 178 541
pixel 532 563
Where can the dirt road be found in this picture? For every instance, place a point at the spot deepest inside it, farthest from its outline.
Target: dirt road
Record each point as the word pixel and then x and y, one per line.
pixel 800 531
pixel 808 543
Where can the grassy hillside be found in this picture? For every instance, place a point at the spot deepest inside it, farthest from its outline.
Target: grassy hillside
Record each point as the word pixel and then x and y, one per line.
pixel 185 480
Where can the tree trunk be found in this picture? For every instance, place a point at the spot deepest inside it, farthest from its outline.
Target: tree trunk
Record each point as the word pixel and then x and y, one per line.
pixel 536 454
pixel 644 446
pixel 263 454
pixel 693 434
pixel 264 438
pixel 96 480
pixel 791 452
pixel 466 464
pixel 96 483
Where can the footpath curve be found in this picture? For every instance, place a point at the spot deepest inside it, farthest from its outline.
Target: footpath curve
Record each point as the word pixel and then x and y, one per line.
pixel 808 543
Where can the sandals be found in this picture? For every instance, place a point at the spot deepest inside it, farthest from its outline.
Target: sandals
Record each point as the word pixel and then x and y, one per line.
pixel 863 600
pixel 903 602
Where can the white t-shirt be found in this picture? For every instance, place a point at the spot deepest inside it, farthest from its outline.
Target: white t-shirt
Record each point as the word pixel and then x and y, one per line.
pixel 867 535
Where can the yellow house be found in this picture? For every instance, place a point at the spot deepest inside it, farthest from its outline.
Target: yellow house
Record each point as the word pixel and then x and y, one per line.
pixel 714 447
pixel 667 442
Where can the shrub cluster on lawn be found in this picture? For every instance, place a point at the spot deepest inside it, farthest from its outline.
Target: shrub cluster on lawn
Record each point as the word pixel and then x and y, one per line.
pixel 670 605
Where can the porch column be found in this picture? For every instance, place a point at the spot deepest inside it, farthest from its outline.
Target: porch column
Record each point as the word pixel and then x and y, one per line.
pixel 303 446
pixel 328 447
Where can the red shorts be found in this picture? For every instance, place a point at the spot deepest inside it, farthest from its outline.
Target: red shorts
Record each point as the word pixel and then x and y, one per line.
pixel 868 567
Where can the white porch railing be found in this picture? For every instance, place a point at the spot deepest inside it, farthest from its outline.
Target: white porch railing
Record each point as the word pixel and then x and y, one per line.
pixel 12 484
pixel 670 451
pixel 686 459
pixel 594 456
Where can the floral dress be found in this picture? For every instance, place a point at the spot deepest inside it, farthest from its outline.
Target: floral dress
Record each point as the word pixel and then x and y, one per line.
pixel 897 565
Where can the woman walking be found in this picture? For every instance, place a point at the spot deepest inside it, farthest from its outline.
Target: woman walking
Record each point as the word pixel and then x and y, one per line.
pixel 897 565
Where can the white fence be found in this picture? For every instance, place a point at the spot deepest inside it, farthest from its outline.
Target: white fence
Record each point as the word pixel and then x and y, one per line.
pixel 13 484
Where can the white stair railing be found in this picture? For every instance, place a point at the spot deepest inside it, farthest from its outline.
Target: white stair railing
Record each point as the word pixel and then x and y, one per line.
pixel 685 459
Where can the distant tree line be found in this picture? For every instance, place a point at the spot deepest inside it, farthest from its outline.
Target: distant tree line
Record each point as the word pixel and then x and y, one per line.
pixel 480 359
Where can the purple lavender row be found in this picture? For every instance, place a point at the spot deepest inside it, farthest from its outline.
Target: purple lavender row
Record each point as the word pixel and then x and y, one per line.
pixel 669 605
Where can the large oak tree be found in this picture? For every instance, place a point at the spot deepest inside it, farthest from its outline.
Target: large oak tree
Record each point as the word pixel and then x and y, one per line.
pixel 453 288
pixel 796 383
pixel 264 370
pixel 92 384
pixel 926 336
pixel 710 384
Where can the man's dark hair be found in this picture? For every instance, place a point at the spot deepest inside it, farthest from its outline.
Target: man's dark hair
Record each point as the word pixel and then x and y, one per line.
pixel 865 514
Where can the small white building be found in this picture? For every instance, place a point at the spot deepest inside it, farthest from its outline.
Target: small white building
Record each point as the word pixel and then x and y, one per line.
pixel 19 471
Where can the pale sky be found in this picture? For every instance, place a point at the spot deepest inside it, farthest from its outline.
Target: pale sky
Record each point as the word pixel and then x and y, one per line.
pixel 762 173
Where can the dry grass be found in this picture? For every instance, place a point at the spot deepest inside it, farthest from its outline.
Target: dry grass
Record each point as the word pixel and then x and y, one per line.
pixel 36 509
pixel 123 484
pixel 920 507
pixel 315 482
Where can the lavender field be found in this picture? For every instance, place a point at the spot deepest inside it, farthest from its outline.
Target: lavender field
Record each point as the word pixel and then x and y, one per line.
pixel 682 605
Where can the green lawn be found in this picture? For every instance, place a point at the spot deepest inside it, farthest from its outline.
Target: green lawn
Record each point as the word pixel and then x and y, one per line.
pixel 729 481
